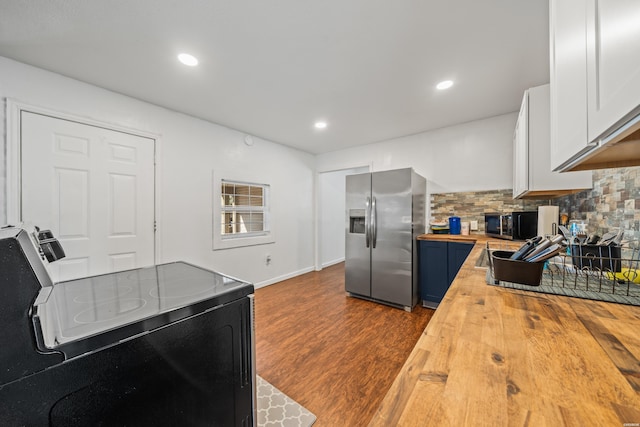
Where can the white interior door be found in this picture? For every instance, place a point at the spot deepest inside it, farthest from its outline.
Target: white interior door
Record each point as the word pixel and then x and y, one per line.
pixel 94 189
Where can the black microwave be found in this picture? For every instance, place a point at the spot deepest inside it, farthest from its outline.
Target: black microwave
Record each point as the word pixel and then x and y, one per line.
pixel 512 226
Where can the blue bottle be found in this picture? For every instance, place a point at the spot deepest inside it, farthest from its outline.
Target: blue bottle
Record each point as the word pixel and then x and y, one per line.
pixel 454 225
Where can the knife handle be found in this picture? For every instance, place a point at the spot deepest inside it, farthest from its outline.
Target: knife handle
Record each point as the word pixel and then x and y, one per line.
pixel 541 247
pixel 551 251
pixel 526 248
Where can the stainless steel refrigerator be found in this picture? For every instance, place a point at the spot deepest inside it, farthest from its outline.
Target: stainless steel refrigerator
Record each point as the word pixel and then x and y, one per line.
pixel 386 213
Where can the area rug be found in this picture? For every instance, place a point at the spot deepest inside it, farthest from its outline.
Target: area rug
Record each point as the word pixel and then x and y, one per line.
pixel 277 409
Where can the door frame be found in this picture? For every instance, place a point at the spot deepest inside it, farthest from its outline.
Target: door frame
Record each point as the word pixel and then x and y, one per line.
pixel 15 108
pixel 317 203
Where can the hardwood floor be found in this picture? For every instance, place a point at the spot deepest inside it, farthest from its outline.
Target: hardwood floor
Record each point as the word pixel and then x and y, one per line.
pixel 334 354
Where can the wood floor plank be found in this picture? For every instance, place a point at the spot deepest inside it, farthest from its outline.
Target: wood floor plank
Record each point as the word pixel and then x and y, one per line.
pixel 334 354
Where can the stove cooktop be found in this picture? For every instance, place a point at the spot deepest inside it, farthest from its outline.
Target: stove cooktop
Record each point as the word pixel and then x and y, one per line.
pixel 89 313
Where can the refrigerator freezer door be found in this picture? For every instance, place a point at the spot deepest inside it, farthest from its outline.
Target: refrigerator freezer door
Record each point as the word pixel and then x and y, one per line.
pixel 357 254
pixel 391 258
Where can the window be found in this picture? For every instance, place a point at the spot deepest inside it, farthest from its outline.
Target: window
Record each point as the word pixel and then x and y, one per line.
pixel 243 209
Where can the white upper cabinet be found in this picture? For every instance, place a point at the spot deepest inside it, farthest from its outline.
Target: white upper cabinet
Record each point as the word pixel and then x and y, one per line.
pixel 595 83
pixel 520 150
pixel 568 75
pixel 532 174
pixel 613 64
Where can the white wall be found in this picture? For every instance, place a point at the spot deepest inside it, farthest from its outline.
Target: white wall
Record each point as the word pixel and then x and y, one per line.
pixel 190 150
pixel 472 156
pixel 332 214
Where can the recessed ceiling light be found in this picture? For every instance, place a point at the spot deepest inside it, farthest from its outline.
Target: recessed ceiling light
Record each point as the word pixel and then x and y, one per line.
pixel 187 59
pixel 320 125
pixel 444 85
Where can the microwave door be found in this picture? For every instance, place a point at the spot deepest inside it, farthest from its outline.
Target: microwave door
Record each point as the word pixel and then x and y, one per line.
pixel 525 225
pixel 492 224
pixel 506 224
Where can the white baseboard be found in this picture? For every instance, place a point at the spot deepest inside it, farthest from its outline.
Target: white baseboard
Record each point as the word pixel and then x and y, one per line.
pixel 330 263
pixel 283 277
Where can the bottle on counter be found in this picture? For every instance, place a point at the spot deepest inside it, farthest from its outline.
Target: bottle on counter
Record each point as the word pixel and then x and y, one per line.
pixel 454 225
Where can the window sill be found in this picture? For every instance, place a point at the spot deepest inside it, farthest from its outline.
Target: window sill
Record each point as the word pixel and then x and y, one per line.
pixel 238 242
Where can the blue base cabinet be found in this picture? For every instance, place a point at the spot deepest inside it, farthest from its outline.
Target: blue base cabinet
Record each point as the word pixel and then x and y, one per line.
pixel 439 263
pixel 433 273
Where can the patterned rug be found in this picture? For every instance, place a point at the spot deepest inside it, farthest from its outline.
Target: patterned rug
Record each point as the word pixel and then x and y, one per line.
pixel 277 409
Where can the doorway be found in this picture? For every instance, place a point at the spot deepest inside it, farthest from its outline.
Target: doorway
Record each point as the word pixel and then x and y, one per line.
pixel 332 215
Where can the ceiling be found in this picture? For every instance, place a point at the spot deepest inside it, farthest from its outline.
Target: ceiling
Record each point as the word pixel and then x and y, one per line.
pixel 271 68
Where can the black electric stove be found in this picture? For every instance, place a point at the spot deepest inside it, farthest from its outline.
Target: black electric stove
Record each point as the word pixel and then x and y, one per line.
pixel 170 344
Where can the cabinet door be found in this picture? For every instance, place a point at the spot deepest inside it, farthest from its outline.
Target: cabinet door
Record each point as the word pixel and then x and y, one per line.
pixel 532 174
pixel 520 150
pixel 433 274
pixel 457 254
pixel 568 80
pixel 613 63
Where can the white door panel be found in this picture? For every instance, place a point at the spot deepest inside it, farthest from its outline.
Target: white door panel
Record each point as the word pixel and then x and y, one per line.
pixel 94 188
pixel 124 261
pixel 68 268
pixel 613 63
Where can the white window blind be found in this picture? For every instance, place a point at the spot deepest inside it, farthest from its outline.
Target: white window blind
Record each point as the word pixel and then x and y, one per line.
pixel 243 209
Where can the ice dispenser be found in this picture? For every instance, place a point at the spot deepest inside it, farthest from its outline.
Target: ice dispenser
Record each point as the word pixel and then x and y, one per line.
pixel 356 221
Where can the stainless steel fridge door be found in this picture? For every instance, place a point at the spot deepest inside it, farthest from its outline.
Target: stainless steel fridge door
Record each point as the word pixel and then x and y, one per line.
pixel 357 238
pixel 392 240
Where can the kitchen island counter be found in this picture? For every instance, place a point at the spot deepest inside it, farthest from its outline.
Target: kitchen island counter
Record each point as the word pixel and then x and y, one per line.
pixel 495 356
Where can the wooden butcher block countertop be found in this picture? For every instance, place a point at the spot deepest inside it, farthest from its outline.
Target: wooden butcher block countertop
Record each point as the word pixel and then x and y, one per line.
pixel 492 356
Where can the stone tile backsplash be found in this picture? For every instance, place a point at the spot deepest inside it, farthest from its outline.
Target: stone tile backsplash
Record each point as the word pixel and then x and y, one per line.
pixel 471 206
pixel 613 202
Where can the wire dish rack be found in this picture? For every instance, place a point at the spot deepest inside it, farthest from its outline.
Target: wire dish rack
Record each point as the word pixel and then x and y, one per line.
pixel 602 273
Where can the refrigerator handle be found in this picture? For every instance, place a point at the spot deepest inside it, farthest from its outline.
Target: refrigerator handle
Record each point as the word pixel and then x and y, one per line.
pixel 367 222
pixel 374 223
